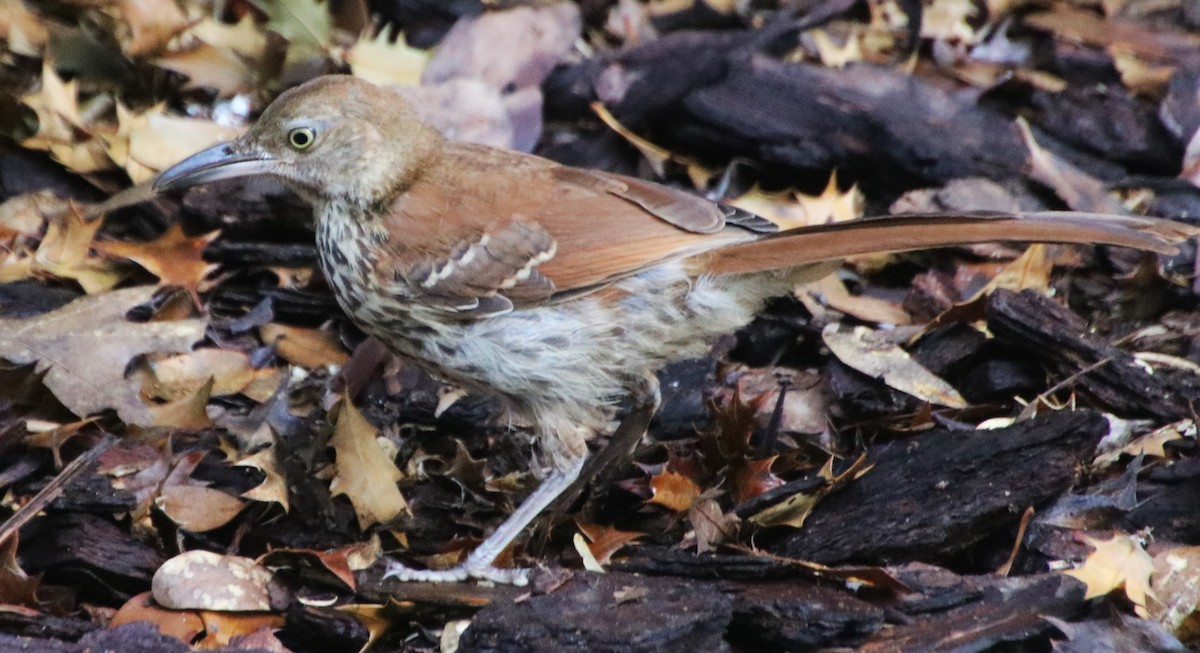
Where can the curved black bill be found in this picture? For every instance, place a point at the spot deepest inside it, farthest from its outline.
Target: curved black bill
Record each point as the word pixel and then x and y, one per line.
pixel 217 162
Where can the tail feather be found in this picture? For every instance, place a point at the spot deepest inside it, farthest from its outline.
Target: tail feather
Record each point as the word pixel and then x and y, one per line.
pixel 908 232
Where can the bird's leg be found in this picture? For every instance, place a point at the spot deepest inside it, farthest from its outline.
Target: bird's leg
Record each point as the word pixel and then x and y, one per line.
pixel 601 469
pixel 479 562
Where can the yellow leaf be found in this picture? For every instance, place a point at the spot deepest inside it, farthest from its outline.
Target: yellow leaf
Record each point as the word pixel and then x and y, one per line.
pixel 790 210
pixel 382 61
pixel 1117 563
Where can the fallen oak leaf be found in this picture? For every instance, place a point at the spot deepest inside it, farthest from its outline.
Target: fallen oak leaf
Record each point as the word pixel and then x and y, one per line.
pixel 673 490
pixel 365 474
pixel 274 486
pixel 1117 563
pixel 65 250
pixel 86 345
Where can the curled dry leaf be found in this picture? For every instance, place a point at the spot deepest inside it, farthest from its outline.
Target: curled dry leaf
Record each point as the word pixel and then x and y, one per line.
pixel 203 580
pixel 868 352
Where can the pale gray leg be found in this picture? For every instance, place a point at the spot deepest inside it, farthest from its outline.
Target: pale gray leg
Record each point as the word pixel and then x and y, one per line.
pixel 479 563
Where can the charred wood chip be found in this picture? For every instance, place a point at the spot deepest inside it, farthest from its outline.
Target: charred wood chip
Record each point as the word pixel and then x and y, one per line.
pixel 802 616
pixel 944 491
pixel 606 612
pixel 1060 340
pixel 1007 610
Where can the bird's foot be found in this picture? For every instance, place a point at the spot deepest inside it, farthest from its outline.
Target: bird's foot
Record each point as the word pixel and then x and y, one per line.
pixel 467 570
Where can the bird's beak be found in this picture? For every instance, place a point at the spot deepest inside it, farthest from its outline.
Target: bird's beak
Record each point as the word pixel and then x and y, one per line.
pixel 217 162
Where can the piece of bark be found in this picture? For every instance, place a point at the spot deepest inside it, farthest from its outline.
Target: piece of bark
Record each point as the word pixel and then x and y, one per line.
pixel 941 492
pixel 606 612
pixel 1007 610
pixel 801 616
pixel 662 561
pixel 1168 497
pixel 1048 332
pixel 1109 122
pixel 64 545
pixel 16 624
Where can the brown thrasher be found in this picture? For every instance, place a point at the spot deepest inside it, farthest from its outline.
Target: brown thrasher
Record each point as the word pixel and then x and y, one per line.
pixel 555 289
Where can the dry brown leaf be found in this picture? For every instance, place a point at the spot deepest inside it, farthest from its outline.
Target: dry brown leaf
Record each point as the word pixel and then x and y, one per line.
pixel 16 587
pixel 365 474
pixel 152 23
pixel 308 348
pixel 1080 191
pixel 1141 76
pixel 833 55
pixel 1148 444
pixel 750 478
pixel 148 143
pixel 183 625
pixel 869 352
pixel 793 209
pixel 86 346
pixel 61 128
pixel 23 31
pixel 172 257
pixel 711 525
pixel 655 155
pixel 605 541
pixel 378 619
pixel 1117 563
pixel 306 24
pixel 189 412
pixel 65 251
pixel 673 490
pixel 23 215
pixel 177 376
pixel 223 628
pixel 274 486
pixel 207 66
pixel 203 580
pixel 198 509
pixel 949 20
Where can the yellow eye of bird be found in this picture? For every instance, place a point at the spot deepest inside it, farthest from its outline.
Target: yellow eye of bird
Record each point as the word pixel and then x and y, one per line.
pixel 301 138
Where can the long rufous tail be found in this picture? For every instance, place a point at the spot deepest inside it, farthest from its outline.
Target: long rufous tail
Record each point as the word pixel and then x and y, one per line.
pixel 908 232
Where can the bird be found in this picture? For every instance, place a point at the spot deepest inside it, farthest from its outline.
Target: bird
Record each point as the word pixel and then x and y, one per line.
pixel 556 290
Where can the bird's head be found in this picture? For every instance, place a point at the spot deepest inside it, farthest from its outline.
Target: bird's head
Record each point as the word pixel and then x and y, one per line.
pixel 334 138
